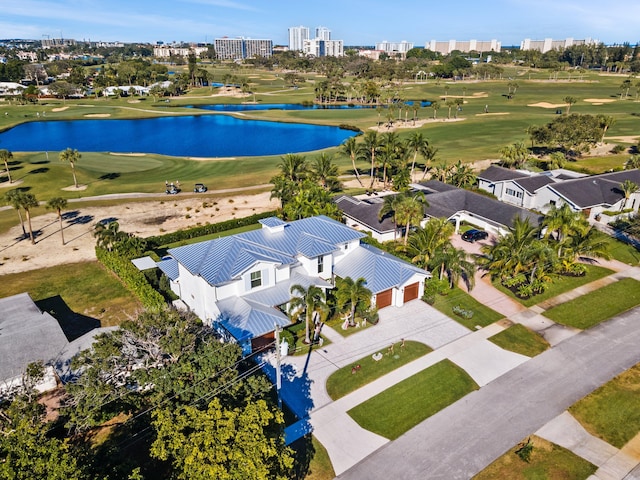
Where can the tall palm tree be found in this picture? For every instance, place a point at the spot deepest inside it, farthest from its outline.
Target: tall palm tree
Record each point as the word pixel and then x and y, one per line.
pixel 350 149
pixel 12 197
pixel 606 122
pixel 5 156
pixel 108 235
pixel 293 167
pixel 562 221
pixel 57 204
pixel 410 211
pixel 435 106
pixel 429 154
pixel 27 202
pixel 388 208
pixel 391 152
pixel 307 302
pixel 416 143
pixel 463 176
pixel 454 263
pixel 587 244
pixel 370 145
pixel 514 155
pixel 71 156
pixel 325 172
pixel 352 294
pixel 425 243
pixel 632 162
pixel 569 100
pixel 628 188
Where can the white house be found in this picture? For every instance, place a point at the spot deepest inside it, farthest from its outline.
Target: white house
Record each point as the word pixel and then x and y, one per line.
pixel 241 284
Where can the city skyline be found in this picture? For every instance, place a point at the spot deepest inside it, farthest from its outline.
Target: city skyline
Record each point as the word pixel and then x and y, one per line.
pixel 357 22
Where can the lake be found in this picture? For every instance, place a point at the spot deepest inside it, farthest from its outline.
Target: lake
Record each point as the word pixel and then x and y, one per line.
pixel 244 107
pixel 180 136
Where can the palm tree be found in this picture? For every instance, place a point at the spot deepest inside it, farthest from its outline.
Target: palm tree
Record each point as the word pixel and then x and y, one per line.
pixel 370 145
pixel 450 104
pixel 628 188
pixel 391 151
pixel 514 155
pixel 350 149
pixel 71 156
pixel 632 162
pixel 108 235
pixel 425 243
pixel 429 154
pixel 5 156
pixel 410 211
pixel 454 263
pixel 416 143
pixel 556 160
pixel 12 197
pixel 587 244
pixel 28 201
pixel 307 302
pixel 389 209
pixel 569 100
pixel 352 294
pixel 463 176
pixel 435 106
pixel 325 172
pixel 57 204
pixel 606 122
pixel 293 167
pixel 562 221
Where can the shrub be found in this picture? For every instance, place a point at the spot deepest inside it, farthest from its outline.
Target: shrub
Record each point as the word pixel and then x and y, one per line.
pixel 461 312
pixel 434 287
pixel 618 149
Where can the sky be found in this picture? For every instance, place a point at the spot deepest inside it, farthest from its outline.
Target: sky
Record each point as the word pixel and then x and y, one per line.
pixel 357 22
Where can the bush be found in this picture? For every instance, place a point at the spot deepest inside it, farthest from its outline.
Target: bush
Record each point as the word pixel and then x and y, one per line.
pixel 352 128
pixel 199 231
pixel 434 287
pixel 618 149
pixel 461 312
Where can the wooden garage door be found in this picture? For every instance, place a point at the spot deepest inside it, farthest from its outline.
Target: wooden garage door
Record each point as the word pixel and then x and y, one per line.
pixel 383 299
pixel 410 292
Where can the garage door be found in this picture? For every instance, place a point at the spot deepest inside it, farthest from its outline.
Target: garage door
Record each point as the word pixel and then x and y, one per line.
pixel 383 299
pixel 410 292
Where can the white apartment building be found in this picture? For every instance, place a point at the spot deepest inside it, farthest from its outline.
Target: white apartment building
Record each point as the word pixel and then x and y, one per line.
pixel 166 51
pixel 549 44
pixel 323 33
pixel 394 47
pixel 446 48
pixel 324 48
pixel 297 36
pixel 240 48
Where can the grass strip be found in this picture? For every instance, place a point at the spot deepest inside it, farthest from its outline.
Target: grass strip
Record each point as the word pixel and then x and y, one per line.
pixel 406 404
pixel 482 315
pixel 518 338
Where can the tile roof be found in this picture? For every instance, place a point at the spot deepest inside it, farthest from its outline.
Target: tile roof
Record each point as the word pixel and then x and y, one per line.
pixel 26 335
pixel 381 270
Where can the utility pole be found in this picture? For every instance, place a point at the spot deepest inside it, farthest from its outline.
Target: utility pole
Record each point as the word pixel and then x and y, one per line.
pixel 278 375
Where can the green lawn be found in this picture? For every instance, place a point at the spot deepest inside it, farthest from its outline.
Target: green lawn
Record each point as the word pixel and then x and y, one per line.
pixel 518 338
pixel 623 252
pixel 611 412
pixel 482 315
pixel 591 309
pixel 344 381
pixel 548 462
pixel 559 285
pixel 312 461
pixel 86 288
pixel 406 404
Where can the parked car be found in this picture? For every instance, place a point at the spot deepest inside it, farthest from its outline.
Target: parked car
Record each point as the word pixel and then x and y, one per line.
pixel 200 188
pixel 474 235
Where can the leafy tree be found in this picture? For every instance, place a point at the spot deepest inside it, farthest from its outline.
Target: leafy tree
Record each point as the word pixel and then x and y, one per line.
pixel 223 443
pixel 57 204
pixel 569 100
pixel 309 199
pixel 353 295
pixel 5 156
pixel 309 302
pixel 71 156
pixel 462 175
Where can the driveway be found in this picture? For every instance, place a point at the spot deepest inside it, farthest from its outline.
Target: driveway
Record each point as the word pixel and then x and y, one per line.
pixel 461 440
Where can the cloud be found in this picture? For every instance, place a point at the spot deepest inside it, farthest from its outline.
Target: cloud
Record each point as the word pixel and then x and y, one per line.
pixel 224 3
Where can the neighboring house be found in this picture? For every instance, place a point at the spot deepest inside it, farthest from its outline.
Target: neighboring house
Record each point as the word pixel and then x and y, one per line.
pixel 592 194
pixel 241 284
pixel 443 200
pixel 27 335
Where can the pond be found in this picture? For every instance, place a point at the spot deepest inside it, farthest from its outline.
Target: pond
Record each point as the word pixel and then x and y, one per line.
pixel 185 136
pixel 243 107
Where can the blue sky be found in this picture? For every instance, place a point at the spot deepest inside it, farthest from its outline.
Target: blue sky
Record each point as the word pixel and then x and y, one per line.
pixel 357 22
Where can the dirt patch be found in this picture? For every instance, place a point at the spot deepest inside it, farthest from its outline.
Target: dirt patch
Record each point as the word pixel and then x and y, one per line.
pixel 547 105
pixel 625 138
pixel 230 92
pixel 73 188
pixel 145 219
pixel 419 123
pixel 97 115
pixel 59 109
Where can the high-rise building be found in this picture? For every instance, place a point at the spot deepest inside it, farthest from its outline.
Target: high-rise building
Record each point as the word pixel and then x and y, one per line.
pixel 240 48
pixel 549 44
pixel 323 33
pixel 297 36
pixel 394 47
pixel 465 46
pixel 324 48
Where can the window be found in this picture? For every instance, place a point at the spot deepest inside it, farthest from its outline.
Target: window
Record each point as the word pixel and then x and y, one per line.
pixel 511 192
pixel 256 279
pixel 320 264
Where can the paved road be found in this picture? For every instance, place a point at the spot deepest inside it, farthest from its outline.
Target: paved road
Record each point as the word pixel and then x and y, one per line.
pixel 463 439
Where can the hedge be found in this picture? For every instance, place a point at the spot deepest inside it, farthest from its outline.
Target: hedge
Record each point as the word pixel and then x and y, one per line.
pixel 201 230
pixel 132 278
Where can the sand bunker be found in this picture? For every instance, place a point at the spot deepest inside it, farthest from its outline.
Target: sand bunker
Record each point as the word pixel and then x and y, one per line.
pixel 73 188
pixel 625 138
pixel 547 105
pixel 489 114
pixel 599 101
pixel 59 109
pixel 127 154
pixel 97 115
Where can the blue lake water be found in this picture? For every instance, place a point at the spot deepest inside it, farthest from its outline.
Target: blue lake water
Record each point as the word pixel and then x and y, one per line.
pixel 188 136
pixel 290 106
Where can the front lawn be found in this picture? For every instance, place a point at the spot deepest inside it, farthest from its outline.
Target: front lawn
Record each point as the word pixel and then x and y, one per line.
pixel 548 461
pixel 312 461
pixel 518 338
pixel 482 315
pixel 611 412
pixel 558 286
pixel 86 288
pixel 406 404
pixel 590 309
pixel 345 381
pixel 294 335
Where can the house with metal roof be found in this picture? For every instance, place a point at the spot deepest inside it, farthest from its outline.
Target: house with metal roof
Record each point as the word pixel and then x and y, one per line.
pixel 241 284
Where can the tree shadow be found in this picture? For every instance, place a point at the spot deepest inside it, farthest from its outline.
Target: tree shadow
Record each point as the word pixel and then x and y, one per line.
pixel 109 176
pixel 107 221
pixel 304 451
pixel 73 324
pixel 80 220
pixel 40 170
pixel 40 162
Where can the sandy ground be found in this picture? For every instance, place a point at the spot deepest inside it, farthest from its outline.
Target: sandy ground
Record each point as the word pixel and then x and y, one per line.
pixel 625 138
pixel 599 101
pixel 97 115
pixel 143 218
pixel 547 105
pixel 410 124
